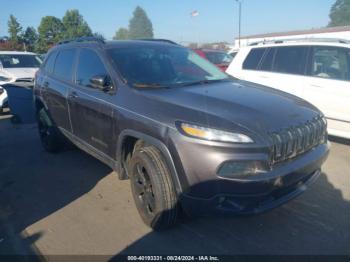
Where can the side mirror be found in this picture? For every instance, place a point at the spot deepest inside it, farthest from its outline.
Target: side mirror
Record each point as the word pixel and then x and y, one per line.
pixel 102 82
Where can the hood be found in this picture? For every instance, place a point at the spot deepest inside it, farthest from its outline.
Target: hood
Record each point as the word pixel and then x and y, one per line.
pixel 18 73
pixel 237 103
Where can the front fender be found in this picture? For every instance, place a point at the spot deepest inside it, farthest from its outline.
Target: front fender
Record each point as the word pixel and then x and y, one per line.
pixel 152 141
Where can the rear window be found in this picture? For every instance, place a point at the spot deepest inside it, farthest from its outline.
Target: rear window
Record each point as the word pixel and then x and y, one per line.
pixel 253 59
pixel 290 60
pixel 20 61
pixel 64 64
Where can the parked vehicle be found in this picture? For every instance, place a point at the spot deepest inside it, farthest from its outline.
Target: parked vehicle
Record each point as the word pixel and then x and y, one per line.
pixel 233 52
pixel 218 57
pixel 18 66
pixel 317 70
pixel 188 136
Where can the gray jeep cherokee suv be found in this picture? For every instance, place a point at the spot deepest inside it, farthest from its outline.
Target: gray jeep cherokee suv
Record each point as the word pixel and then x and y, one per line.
pixel 189 137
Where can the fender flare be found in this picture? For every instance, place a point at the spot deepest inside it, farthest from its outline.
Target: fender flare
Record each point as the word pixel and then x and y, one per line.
pixel 155 142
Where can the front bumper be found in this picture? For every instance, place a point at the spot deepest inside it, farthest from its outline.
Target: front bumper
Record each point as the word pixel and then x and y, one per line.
pixel 229 204
pixel 206 192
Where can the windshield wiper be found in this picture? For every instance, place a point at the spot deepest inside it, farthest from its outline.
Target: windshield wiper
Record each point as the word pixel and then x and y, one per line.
pixel 201 82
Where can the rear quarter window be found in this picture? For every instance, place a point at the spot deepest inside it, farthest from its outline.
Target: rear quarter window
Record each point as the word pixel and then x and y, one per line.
pixel 253 59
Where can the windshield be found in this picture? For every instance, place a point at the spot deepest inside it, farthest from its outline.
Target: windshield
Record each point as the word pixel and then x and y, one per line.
pixel 218 57
pixel 163 66
pixel 19 61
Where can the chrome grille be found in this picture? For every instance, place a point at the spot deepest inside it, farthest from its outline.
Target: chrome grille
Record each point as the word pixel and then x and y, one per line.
pixel 294 141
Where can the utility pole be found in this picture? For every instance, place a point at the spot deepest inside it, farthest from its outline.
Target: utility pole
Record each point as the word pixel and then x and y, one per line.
pixel 239 21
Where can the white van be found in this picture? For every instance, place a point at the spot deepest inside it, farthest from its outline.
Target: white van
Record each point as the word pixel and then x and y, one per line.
pixel 317 70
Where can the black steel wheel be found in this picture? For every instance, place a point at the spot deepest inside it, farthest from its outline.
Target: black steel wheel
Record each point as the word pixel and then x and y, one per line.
pixel 152 188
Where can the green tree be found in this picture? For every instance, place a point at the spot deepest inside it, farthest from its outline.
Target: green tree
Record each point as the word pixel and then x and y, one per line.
pixel 50 32
pixel 14 29
pixel 30 37
pixel 340 13
pixel 140 26
pixel 121 34
pixel 75 25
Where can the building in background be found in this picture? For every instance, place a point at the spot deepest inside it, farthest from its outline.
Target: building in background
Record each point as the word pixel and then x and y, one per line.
pixel 341 32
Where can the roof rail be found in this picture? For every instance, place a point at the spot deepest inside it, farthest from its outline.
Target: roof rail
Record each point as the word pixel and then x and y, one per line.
pixel 82 39
pixel 307 39
pixel 159 40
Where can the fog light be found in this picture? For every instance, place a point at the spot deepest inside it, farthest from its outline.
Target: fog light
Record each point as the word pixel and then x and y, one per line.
pixel 242 169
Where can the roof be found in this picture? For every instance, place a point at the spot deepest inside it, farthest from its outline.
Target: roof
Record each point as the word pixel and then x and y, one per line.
pixel 127 43
pixel 302 32
pixel 294 43
pixel 16 53
pixel 113 43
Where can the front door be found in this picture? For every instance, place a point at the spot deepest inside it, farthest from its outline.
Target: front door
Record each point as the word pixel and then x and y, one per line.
pixel 90 107
pixel 329 86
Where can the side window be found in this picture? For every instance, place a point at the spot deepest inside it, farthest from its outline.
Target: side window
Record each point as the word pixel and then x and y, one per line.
pixel 331 62
pixel 64 64
pixel 291 60
pixel 50 62
pixel 253 59
pixel 266 64
pixel 89 65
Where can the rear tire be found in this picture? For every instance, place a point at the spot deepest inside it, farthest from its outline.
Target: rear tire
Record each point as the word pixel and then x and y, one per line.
pixel 48 132
pixel 152 188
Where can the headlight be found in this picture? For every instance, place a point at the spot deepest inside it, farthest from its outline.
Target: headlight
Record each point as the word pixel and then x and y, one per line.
pixel 214 134
pixel 4 79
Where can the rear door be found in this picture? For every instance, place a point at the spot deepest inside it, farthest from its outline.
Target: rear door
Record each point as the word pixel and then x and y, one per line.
pixel 56 87
pixel 281 67
pixel 91 108
pixel 329 86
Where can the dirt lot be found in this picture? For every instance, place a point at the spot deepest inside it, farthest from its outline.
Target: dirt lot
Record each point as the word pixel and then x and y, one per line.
pixel 70 203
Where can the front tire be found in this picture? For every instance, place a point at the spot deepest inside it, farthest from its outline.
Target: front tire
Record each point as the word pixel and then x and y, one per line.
pixel 48 132
pixel 152 188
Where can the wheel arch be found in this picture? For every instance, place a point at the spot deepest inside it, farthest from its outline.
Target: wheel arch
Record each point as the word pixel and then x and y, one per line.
pixel 131 136
pixel 39 103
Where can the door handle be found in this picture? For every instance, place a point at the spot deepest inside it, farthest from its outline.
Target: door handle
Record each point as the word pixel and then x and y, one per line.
pixel 46 84
pixel 73 95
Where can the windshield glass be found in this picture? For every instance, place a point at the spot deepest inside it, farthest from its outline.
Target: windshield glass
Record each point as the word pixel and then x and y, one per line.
pixel 19 61
pixel 163 66
pixel 218 57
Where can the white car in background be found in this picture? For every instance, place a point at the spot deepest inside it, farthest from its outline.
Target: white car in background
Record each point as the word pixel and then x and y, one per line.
pixel 317 70
pixel 16 67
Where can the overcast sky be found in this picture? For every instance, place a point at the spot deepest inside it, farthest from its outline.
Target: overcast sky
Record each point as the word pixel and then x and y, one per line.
pixel 217 20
